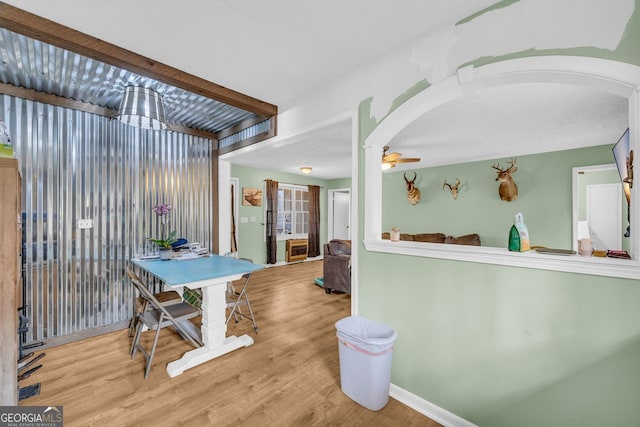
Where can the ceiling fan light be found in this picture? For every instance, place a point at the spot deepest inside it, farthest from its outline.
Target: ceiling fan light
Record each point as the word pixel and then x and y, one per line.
pixel 142 107
pixel 386 166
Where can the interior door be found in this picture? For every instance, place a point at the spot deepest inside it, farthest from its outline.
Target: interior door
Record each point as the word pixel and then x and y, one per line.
pixel 604 215
pixel 340 213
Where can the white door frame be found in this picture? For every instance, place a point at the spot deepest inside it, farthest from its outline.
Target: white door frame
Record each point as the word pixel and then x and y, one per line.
pixel 224 177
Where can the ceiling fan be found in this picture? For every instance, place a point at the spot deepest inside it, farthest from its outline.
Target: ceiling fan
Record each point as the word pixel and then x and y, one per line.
pixel 389 160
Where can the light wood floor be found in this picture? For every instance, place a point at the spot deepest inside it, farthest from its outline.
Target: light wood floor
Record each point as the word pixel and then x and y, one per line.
pixel 289 377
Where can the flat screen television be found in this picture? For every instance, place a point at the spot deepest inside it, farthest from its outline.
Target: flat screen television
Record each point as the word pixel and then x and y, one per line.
pixel 623 155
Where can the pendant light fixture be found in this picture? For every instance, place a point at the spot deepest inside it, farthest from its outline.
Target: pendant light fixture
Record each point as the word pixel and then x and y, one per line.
pixel 142 107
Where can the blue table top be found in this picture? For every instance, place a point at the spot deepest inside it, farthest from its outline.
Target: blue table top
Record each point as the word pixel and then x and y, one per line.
pixel 175 272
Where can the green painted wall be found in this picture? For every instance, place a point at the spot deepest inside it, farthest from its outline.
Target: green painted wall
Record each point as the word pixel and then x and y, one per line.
pixel 544 191
pixel 627 50
pixel 251 243
pixel 604 393
pixel 339 183
pixel 505 346
pixel 489 343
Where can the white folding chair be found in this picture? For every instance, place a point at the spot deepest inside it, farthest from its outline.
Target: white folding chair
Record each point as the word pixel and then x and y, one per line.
pixel 159 317
pixel 235 300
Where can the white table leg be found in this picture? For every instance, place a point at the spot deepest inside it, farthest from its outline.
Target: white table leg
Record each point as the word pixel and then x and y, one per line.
pixel 214 330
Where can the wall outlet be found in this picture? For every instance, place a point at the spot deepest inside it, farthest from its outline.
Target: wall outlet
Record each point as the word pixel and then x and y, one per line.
pixel 244 220
pixel 85 223
pixel 253 219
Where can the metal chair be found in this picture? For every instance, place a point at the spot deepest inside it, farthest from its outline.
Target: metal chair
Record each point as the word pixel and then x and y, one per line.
pixel 235 300
pixel 164 298
pixel 159 317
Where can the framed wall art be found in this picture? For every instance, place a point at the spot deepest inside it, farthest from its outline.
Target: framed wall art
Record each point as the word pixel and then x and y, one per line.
pixel 251 197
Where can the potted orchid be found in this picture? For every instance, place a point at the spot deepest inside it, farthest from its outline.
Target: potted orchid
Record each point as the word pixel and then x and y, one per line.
pixel 164 243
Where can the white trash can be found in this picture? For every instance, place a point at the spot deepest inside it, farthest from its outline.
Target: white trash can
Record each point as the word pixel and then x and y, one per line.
pixel 365 348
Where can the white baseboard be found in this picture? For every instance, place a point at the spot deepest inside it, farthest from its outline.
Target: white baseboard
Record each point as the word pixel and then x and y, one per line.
pixel 277 264
pixel 427 408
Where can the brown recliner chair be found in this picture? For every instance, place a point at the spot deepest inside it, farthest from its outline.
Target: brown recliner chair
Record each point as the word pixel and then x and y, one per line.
pixel 337 266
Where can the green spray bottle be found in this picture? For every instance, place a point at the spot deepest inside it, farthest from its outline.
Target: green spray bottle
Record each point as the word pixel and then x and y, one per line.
pixel 519 235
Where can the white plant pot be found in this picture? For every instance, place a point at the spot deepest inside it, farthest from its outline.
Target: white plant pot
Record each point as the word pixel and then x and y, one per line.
pixel 165 254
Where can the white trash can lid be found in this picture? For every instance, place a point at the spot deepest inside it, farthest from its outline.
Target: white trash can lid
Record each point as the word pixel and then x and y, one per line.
pixel 365 333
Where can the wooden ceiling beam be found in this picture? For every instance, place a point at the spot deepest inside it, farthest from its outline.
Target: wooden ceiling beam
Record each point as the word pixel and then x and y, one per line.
pixel 45 30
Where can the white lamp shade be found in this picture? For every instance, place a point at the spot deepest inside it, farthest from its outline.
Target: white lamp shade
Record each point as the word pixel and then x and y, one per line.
pixel 142 107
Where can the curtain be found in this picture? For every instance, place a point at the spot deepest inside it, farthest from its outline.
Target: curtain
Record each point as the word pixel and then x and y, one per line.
pixel 271 220
pixel 314 221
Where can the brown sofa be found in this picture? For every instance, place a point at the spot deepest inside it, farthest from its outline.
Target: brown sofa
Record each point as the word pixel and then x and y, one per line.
pixel 467 239
pixel 337 266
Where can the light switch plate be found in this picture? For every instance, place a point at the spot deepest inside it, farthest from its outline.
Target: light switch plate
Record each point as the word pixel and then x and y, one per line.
pixel 85 223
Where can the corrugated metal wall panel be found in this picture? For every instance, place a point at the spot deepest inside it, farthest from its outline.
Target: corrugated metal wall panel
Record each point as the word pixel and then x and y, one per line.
pixel 77 165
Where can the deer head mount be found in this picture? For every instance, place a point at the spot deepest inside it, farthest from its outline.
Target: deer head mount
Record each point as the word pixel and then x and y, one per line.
pixel 508 189
pixel 413 194
pixel 453 188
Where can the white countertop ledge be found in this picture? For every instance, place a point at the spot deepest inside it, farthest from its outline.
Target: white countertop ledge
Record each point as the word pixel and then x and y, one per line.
pixel 610 267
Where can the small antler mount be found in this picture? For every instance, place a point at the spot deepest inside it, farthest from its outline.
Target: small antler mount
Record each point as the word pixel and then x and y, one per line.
pixel 453 188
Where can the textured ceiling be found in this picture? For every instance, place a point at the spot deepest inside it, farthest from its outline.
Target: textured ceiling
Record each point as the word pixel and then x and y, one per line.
pixel 326 150
pixel 277 50
pixel 514 119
